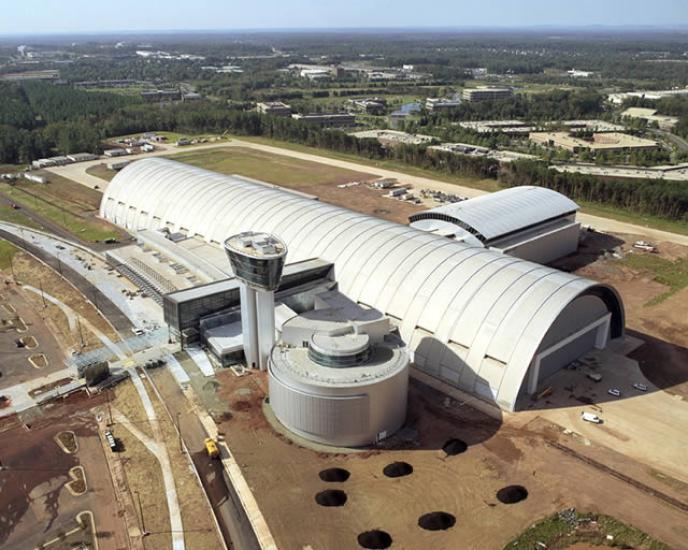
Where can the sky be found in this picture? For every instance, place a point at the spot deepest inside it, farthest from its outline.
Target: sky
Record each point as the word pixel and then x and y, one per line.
pixel 85 16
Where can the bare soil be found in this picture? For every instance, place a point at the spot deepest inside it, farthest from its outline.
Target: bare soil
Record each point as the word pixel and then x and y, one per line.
pixel 36 505
pixel 464 485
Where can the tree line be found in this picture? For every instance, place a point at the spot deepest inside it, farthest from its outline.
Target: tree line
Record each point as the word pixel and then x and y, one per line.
pixel 665 199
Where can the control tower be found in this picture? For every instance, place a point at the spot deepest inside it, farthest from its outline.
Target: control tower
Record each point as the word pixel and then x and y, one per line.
pixel 257 260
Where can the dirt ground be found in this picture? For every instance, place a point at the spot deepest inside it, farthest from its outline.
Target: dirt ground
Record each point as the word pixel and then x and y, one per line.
pixel 144 475
pixel 465 485
pixel 29 271
pixel 15 367
pixel 663 326
pixel 36 505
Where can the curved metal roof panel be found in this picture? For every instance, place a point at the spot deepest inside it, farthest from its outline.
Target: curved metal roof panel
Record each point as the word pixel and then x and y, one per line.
pixel 471 314
pixel 498 214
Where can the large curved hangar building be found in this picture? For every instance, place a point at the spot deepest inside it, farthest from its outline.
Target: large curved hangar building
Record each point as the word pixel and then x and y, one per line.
pixel 488 323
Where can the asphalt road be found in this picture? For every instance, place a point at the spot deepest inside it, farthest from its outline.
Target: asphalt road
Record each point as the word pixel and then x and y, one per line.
pixel 111 312
pixel 678 141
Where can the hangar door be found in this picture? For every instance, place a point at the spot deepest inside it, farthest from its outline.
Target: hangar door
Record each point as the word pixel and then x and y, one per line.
pixel 583 325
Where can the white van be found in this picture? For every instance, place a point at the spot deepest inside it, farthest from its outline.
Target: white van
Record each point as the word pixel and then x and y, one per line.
pixel 589 417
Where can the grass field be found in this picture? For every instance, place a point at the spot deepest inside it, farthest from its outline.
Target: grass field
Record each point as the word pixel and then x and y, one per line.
pixel 554 533
pixel 644 220
pixel 63 202
pixel 673 274
pixel 101 171
pixel 8 214
pixel 467 181
pixel 276 169
pixel 7 252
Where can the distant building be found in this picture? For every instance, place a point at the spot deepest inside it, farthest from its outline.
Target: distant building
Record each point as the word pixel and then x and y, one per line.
pixel 161 95
pixel 651 116
pixel 391 138
pixel 374 106
pixel 619 98
pixel 439 104
pixel 82 157
pixel 118 165
pixel 316 74
pixel 192 96
pixel 339 120
pixel 612 141
pixel 573 73
pixel 47 74
pixel 477 72
pixel 274 108
pixel 110 153
pixel 486 94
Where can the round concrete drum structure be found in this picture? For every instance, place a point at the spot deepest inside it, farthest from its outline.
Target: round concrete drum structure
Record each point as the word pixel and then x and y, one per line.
pixel 348 385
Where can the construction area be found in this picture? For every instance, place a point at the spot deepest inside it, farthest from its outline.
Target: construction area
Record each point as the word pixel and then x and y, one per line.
pixel 488 464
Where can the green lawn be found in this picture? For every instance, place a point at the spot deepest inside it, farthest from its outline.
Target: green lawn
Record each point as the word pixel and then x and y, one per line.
pixel 644 220
pixel 466 181
pixel 101 171
pixel 557 534
pixel 83 227
pixel 277 169
pixel 8 214
pixel 673 274
pixel 7 251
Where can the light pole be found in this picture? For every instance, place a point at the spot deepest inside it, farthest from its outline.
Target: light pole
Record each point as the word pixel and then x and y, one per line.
pixel 143 522
pixel 179 431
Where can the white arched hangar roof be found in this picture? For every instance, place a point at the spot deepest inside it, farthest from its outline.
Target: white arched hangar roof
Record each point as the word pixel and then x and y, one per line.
pixel 473 316
pixel 495 215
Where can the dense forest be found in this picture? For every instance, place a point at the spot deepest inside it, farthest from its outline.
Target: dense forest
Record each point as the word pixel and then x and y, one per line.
pixel 37 118
pixel 554 105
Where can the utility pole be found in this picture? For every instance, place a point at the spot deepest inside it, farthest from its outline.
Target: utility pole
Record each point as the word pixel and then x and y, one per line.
pixel 179 431
pixel 40 283
pixel 109 409
pixel 14 276
pixel 81 333
pixel 143 523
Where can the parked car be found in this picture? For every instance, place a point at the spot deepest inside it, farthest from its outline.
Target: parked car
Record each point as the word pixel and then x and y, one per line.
pixel 589 417
pixel 111 441
pixel 640 387
pixel 615 392
pixel 595 377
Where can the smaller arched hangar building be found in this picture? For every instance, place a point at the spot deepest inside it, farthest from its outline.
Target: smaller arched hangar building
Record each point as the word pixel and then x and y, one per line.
pixel 531 223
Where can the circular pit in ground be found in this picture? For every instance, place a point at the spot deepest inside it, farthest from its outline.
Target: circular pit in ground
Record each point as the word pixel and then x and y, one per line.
pixel 331 497
pixel 375 540
pixel 334 475
pixel 454 447
pixel 512 494
pixel 437 521
pixel 398 469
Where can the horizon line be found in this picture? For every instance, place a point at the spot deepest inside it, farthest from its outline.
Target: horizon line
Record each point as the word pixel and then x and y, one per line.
pixel 477 27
